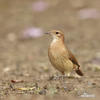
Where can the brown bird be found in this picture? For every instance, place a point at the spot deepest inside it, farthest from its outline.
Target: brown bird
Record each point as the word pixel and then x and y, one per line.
pixel 60 56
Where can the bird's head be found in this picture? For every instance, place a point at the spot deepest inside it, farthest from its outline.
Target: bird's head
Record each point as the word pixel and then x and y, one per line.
pixel 56 34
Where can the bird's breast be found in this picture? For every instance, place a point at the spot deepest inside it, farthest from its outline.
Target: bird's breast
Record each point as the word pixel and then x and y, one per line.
pixel 57 52
pixel 59 57
pixel 57 48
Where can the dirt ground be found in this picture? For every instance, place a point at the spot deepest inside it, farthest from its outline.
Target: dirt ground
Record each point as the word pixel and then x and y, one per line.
pixel 26 73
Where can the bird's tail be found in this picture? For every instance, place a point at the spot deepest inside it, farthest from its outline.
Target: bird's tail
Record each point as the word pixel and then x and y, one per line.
pixel 79 72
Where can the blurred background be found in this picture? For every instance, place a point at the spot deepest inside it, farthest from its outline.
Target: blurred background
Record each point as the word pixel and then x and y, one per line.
pixel 24 65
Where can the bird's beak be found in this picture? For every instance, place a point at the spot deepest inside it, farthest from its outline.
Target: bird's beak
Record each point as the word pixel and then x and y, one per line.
pixel 47 33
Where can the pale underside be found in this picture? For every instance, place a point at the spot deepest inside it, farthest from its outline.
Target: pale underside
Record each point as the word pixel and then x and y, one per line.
pixel 59 57
pixel 63 65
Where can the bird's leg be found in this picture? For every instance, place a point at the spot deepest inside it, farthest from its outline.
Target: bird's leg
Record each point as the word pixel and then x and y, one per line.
pixel 60 76
pixel 57 76
pixel 63 73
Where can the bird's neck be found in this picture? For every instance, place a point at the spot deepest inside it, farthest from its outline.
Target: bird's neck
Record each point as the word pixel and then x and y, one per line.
pixel 56 39
pixel 56 43
pixel 57 47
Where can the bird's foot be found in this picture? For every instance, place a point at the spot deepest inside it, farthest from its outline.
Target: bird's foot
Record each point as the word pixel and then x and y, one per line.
pixel 57 77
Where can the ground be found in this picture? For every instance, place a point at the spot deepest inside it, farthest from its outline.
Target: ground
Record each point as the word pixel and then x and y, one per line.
pixel 26 73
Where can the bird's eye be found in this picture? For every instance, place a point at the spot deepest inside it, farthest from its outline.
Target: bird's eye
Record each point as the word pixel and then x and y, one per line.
pixel 57 32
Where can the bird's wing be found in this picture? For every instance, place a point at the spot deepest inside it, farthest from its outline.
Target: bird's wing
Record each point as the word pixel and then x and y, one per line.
pixel 73 59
